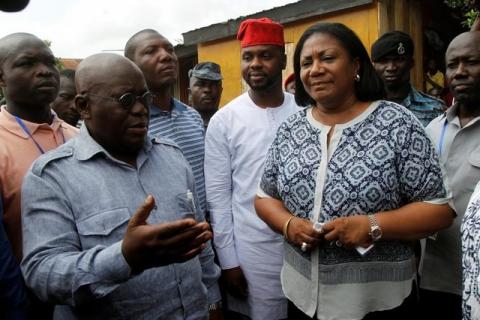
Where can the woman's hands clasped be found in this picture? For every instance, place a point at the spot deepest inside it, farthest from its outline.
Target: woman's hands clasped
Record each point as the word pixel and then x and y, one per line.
pixel 349 232
pixel 301 232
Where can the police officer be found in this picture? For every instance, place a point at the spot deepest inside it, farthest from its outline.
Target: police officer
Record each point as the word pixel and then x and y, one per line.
pixel 392 57
pixel 205 89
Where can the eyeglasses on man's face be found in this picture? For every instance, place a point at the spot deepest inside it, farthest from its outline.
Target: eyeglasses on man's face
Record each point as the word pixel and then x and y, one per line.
pixel 127 100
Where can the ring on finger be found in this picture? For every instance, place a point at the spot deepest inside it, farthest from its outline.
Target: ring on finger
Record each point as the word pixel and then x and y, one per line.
pixel 303 247
pixel 338 243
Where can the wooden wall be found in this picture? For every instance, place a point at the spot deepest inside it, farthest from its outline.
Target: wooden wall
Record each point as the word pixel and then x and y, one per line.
pixel 406 16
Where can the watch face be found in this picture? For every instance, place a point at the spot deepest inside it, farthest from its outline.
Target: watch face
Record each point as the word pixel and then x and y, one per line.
pixel 376 233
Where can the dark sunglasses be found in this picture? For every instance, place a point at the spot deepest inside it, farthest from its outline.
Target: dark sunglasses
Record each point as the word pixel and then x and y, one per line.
pixel 127 100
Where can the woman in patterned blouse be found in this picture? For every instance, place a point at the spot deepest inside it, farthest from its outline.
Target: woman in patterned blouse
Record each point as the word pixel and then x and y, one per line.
pixel 350 181
pixel 471 257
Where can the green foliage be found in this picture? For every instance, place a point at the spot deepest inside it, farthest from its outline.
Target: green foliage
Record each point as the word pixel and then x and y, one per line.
pixel 470 17
pixel 58 62
pixel 468 8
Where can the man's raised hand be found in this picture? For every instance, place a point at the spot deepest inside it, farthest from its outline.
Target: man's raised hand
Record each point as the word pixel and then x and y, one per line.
pixel 151 245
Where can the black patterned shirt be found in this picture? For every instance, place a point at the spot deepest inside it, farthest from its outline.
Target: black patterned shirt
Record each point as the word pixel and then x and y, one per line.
pixel 471 258
pixel 379 161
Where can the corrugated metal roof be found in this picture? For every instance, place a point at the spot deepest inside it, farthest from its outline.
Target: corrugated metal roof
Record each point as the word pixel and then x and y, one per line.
pixel 286 14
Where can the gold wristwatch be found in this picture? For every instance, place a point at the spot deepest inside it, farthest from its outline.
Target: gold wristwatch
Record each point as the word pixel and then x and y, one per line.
pixel 375 230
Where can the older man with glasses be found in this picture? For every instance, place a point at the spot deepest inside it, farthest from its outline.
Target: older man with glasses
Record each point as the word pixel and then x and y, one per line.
pixel 110 220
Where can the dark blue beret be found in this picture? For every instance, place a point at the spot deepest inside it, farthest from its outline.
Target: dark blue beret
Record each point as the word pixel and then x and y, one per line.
pixel 392 43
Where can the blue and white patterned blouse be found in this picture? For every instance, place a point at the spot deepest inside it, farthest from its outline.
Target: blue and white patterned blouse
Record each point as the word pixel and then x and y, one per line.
pixel 379 161
pixel 471 258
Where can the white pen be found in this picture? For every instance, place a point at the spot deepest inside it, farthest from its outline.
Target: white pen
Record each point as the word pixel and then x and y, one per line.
pixel 191 202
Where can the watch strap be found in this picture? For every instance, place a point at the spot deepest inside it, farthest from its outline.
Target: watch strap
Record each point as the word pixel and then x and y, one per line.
pixel 375 230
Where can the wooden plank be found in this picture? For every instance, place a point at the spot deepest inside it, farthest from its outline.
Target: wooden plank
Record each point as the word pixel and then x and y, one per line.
pixel 415 28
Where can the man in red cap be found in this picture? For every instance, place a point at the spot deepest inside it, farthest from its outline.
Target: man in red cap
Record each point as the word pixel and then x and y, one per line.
pixel 290 83
pixel 236 143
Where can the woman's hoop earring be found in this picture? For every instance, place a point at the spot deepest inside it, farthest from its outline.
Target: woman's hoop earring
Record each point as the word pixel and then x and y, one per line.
pixel 357 78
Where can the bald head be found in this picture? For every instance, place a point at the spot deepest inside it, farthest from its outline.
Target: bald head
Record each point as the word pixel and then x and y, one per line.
pixel 103 69
pixel 132 43
pixel 14 43
pixel 155 56
pixel 463 68
pixel 28 75
pixel 106 83
pixel 465 40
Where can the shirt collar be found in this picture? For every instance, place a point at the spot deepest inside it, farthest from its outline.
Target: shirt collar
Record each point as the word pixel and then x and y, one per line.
pixel 9 122
pixel 452 113
pixel 86 147
pixel 176 108
pixel 413 96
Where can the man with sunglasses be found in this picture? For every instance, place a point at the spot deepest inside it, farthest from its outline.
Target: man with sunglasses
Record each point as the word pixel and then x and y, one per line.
pixel 169 118
pixel 108 222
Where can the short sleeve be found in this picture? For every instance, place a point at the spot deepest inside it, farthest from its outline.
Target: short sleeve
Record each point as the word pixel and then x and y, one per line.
pixel 418 166
pixel 268 184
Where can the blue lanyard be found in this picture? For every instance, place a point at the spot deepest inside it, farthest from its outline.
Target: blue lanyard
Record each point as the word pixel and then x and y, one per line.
pixel 25 129
pixel 442 138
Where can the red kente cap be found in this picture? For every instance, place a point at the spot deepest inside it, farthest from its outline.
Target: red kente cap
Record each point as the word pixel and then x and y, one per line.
pixel 289 79
pixel 254 32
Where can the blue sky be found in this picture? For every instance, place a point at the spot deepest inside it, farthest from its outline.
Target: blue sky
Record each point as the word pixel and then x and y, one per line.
pixel 78 28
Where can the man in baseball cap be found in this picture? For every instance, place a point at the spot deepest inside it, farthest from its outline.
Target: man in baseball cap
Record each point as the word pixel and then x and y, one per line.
pixel 392 57
pixel 205 89
pixel 237 140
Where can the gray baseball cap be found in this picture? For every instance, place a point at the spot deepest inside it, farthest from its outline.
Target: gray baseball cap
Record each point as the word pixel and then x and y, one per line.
pixel 206 71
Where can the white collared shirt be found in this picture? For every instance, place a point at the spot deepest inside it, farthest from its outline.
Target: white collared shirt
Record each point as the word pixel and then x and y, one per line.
pixel 237 140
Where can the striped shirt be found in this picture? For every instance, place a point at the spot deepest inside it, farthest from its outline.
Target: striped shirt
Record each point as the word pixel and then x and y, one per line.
pixel 184 126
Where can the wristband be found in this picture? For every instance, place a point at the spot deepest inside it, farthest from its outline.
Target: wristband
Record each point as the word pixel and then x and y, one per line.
pixel 285 228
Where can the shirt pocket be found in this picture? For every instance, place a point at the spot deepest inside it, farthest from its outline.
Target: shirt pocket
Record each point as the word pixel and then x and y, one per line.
pixel 474 174
pixel 103 228
pixel 474 158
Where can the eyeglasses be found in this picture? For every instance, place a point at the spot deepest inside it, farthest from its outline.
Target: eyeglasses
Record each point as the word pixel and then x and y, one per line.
pixel 127 100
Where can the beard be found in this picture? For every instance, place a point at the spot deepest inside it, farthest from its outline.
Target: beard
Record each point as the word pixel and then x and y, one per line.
pixel 470 101
pixel 263 85
pixel 469 98
pixel 396 85
pixel 202 108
